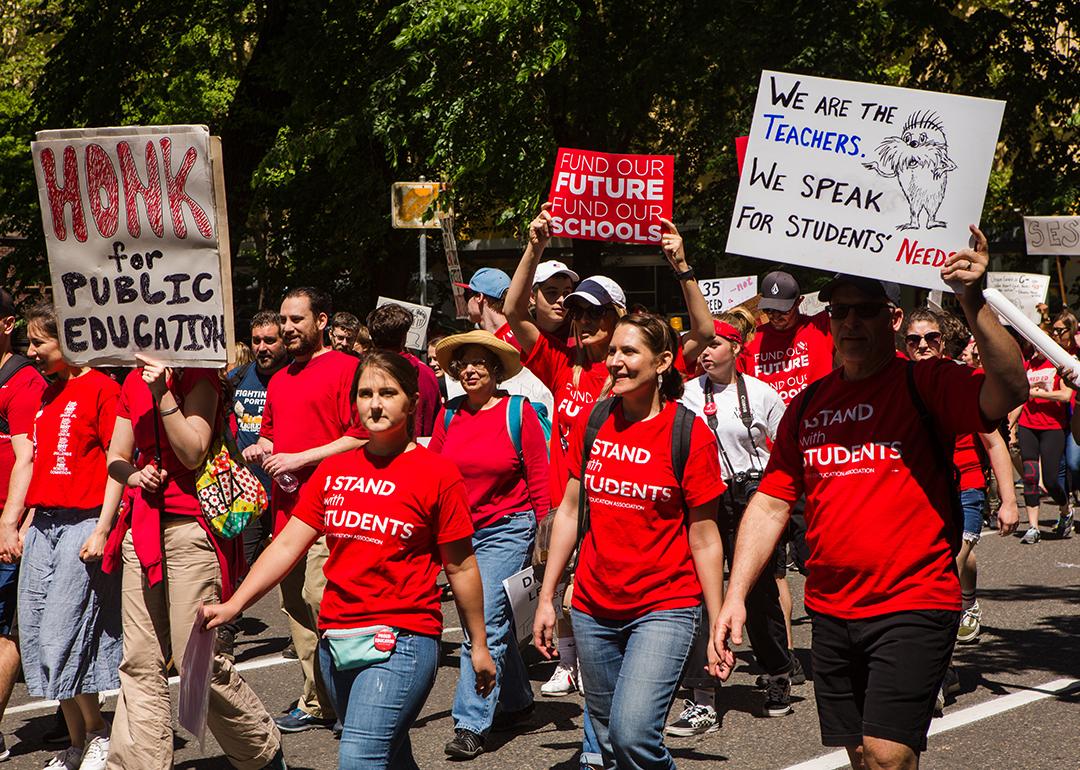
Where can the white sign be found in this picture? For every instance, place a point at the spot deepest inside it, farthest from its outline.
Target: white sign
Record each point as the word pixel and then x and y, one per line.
pixel 523 591
pixel 417 337
pixel 1052 235
pixel 133 230
pixel 811 304
pixel 722 294
pixel 1025 290
pixel 864 179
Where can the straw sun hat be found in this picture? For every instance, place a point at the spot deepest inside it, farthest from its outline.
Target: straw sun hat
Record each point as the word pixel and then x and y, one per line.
pixel 506 353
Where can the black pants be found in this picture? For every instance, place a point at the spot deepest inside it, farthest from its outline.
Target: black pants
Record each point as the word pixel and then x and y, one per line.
pixel 1047 447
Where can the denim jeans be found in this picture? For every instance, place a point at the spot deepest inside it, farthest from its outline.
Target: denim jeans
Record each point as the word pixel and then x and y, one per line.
pixel 502 548
pixel 1071 478
pixel 630 669
pixel 378 704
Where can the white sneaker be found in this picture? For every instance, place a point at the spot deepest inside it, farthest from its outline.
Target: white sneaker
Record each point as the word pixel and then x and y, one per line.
pixel 1032 536
pixel 97 751
pixel 694 720
pixel 68 759
pixel 562 682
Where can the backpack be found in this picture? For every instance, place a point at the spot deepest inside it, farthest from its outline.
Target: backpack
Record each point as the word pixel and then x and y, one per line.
pixel 513 418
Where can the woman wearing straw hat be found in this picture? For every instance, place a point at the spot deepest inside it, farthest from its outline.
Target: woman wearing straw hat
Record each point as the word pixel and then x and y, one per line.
pixel 499 446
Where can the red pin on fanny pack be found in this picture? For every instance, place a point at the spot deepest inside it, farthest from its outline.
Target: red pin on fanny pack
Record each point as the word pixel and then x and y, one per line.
pixel 385 640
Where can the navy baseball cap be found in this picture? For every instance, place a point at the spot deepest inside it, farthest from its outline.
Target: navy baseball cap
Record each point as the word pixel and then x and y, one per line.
pixel 886 290
pixel 488 281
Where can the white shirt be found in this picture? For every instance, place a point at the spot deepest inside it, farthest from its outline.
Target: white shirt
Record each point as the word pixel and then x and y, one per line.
pixel 766 408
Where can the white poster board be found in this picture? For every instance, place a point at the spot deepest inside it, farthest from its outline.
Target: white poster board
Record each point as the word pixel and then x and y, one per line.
pixel 523 591
pixel 811 304
pixel 138 251
pixel 722 294
pixel 1052 236
pixel 864 179
pixel 417 337
pixel 1025 290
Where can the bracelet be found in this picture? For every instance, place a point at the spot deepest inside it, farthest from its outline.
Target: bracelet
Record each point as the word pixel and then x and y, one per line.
pixel 687 275
pixel 167 412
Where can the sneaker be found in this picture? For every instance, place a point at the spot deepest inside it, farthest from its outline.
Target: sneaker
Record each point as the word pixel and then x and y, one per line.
pixel 5 752
pixel 289 653
pixel 970 624
pixel 297 720
pixel 562 682
pixel 278 762
pixel 289 709
pixel 951 685
pixel 694 720
pixel 777 696
pixel 939 703
pixel 68 759
pixel 58 733
pixel 226 642
pixel 1064 527
pixel 337 729
pixel 1032 536
pixel 505 721
pixel 465 745
pixel 96 755
pixel 797 675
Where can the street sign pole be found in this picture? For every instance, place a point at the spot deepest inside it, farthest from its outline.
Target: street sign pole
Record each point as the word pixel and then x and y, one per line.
pixel 423 268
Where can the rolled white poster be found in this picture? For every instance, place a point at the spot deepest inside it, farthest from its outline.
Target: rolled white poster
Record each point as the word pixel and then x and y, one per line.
pixel 1030 331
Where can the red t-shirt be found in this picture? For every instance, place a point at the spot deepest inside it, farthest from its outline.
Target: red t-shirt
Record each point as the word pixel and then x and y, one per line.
pixel 497 479
pixel 71 437
pixel 506 334
pixel 636 556
pixel 968 461
pixel 430 396
pixel 792 359
pixel 553 364
pixel 1041 413
pixel 880 527
pixel 20 399
pixel 384 519
pixel 308 406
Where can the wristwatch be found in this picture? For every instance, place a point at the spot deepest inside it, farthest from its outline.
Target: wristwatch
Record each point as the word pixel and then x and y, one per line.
pixel 686 275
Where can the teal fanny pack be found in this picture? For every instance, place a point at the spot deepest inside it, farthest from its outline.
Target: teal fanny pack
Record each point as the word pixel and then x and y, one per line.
pixel 353 648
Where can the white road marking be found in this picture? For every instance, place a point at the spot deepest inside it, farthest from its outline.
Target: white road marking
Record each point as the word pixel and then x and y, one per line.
pixel 976 713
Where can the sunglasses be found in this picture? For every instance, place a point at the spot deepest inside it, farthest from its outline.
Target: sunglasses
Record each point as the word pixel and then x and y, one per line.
pixel 933 339
pixel 1059 329
pixel 590 312
pixel 864 310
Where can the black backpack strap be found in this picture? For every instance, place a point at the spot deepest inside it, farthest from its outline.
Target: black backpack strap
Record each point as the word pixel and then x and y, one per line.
pixel 238 374
pixel 601 411
pixel 11 367
pixel 681 431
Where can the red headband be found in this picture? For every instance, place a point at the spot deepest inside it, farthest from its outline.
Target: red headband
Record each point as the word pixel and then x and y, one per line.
pixel 727 331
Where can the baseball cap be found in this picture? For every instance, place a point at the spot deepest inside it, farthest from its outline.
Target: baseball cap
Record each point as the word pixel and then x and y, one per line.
pixel 779 291
pixel 488 281
pixel 886 290
pixel 551 268
pixel 598 290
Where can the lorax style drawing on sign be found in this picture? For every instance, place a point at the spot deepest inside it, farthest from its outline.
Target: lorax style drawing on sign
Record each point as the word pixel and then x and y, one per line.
pixel 919 160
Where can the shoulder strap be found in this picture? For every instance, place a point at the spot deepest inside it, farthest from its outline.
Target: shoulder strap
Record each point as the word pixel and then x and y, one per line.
pixel 601 411
pixel 745 414
pixel 10 368
pixel 513 420
pixel 681 431
pixel 239 374
pixel 451 409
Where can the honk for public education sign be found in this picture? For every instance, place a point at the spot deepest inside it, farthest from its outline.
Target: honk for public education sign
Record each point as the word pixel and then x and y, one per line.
pixel 864 179
pixel 131 229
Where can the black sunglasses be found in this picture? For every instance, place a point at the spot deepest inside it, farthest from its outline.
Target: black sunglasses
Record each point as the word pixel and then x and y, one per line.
pixel 591 312
pixel 933 339
pixel 864 310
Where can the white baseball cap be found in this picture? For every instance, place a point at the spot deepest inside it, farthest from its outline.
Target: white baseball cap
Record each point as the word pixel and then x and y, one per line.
pixel 597 290
pixel 552 268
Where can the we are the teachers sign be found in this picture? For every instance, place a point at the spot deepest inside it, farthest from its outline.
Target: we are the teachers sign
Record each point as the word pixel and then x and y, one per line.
pixel 137 243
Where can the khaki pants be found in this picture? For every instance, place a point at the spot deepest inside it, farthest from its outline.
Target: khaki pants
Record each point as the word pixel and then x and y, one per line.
pixel 301 595
pixel 157 623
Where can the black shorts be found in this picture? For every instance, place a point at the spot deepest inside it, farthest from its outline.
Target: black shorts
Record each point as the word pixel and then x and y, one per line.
pixel 879 677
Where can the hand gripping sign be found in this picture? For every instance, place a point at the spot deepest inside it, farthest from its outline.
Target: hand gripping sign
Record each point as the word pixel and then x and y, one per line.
pixel 863 179
pixel 138 248
pixel 599 196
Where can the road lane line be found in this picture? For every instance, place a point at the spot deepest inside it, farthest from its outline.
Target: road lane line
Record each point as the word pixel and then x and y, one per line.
pixel 966 716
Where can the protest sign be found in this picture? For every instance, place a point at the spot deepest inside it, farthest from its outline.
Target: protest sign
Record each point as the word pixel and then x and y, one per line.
pixel 417 337
pixel 722 294
pixel 1025 290
pixel 811 304
pixel 138 250
pixel 1052 236
pixel 864 179
pixel 1030 331
pixel 523 591
pixel 599 196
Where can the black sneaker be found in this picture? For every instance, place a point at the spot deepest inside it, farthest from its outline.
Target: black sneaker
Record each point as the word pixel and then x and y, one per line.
pixel 288 709
pixel 58 733
pixel 226 641
pixel 278 762
pixel 465 745
pixel 5 752
pixel 777 696
pixel 512 720
pixel 296 721
pixel 289 653
pixel 338 729
pixel 797 675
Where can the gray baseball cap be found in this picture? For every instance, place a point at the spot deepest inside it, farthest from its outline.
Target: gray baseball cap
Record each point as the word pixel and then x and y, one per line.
pixel 779 291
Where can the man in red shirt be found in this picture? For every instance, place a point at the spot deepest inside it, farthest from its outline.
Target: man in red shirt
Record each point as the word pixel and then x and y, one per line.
pixel 389 328
pixel 871 447
pixel 21 390
pixel 308 417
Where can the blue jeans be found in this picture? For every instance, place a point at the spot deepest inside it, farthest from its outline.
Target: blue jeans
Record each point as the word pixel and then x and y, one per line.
pixel 630 669
pixel 1071 478
pixel 378 704
pixel 973 501
pixel 502 548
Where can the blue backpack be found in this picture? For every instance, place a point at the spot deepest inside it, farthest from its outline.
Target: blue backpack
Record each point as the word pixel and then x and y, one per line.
pixel 513 418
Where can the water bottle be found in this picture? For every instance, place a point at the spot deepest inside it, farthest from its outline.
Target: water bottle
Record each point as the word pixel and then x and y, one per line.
pixel 288 482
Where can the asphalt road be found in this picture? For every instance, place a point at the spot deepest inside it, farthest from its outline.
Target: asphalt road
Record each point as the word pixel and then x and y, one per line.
pixel 1016 707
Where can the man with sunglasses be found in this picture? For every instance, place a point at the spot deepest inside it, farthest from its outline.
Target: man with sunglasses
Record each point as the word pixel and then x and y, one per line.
pixel 870 445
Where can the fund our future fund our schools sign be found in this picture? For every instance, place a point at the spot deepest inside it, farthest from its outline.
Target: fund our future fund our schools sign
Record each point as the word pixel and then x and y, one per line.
pixel 138 250
pixel 865 179
pixel 600 196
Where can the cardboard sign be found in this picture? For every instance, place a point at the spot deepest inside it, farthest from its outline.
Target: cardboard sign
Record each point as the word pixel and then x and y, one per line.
pixel 1025 290
pixel 138 248
pixel 1052 236
pixel 811 304
pixel 722 294
pixel 603 197
pixel 864 179
pixel 523 591
pixel 417 337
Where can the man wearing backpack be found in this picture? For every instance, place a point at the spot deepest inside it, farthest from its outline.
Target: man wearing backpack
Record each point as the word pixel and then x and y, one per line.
pixel 871 445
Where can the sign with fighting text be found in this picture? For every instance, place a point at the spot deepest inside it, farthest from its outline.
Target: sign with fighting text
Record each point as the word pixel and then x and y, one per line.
pixel 135 231
pixel 1025 290
pixel 599 196
pixel 722 294
pixel 417 337
pixel 1052 236
pixel 864 179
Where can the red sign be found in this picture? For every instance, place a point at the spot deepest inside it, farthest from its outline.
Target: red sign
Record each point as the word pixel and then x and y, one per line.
pixel 599 196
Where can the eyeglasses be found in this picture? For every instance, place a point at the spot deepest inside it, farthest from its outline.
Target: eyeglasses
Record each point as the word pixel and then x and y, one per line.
pixel 864 310
pixel 590 312
pixel 457 366
pixel 933 339
pixel 1059 329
